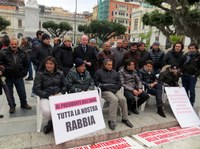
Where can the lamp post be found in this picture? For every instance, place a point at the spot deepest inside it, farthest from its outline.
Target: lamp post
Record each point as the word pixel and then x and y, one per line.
pixel 75 22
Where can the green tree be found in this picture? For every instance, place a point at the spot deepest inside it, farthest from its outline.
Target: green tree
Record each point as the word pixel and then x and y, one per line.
pixel 174 38
pixel 104 30
pixel 57 29
pixel 146 37
pixel 184 15
pixel 3 23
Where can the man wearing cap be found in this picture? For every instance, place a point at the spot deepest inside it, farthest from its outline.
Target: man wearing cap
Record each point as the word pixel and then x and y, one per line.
pixel 41 51
pixel 93 43
pixel 64 55
pixel 156 55
pixel 87 54
pixel 78 78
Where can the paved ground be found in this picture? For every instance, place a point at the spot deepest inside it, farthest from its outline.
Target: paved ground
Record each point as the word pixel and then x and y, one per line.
pixel 18 130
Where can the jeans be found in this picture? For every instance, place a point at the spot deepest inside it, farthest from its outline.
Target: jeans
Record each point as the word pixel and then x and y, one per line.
pixel 189 83
pixel 131 99
pixel 30 70
pixel 20 87
pixel 156 91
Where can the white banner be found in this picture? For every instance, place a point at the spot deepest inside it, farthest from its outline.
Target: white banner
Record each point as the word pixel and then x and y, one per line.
pixel 75 115
pixel 181 107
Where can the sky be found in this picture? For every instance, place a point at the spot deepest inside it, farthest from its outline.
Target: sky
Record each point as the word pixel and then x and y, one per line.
pixel 82 5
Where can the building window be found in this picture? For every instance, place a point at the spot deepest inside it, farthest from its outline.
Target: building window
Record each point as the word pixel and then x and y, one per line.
pixel 135 27
pixel 20 23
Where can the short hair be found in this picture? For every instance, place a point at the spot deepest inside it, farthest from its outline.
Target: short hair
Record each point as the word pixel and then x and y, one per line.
pixel 127 62
pixel 107 60
pixel 6 40
pixel 149 62
pixel 134 44
pixel 39 33
pixel 193 44
pixel 140 43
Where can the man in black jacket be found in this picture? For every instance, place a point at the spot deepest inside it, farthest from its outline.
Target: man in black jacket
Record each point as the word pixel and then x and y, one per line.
pixel 1 74
pixel 109 82
pixel 16 66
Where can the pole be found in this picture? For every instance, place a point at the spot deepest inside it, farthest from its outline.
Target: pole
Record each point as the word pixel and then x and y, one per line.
pixel 75 22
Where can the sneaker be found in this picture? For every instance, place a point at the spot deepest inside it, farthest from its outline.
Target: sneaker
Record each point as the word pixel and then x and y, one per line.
pixel 26 106
pixel 12 110
pixel 29 79
pixel 1 116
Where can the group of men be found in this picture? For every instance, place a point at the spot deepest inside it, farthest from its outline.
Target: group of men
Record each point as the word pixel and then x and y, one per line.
pixel 131 67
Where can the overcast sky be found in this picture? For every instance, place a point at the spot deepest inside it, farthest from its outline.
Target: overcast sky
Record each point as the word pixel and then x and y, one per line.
pixel 82 5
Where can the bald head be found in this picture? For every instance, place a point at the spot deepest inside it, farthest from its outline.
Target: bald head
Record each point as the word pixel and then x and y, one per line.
pixel 84 40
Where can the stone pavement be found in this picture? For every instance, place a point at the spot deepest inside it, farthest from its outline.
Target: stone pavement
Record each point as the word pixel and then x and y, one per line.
pixel 18 130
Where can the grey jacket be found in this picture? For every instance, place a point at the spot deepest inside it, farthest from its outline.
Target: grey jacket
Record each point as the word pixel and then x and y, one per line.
pixel 130 80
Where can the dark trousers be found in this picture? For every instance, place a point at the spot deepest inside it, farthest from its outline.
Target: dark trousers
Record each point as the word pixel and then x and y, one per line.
pixel 19 85
pixel 189 83
pixel 156 91
pixel 30 69
pixel 131 101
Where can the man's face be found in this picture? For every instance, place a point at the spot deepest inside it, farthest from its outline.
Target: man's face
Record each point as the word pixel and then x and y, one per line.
pixel 148 67
pixel 92 44
pixel 84 40
pixel 55 41
pixel 174 71
pixel 133 48
pixel 155 46
pixel 125 44
pixel 178 47
pixel 142 47
pixel 107 46
pixel 47 41
pixel 131 66
pixel 14 45
pixel 109 65
pixel 192 49
pixel 81 69
pixel 119 43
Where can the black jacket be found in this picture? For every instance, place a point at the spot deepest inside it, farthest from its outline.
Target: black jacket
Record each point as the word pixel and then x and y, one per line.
pixel 14 69
pixel 107 80
pixel 64 57
pixel 40 52
pixel 173 58
pixel 47 84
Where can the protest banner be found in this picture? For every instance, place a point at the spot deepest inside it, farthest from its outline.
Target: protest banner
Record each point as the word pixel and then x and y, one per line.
pixel 162 136
pixel 181 107
pixel 120 143
pixel 75 115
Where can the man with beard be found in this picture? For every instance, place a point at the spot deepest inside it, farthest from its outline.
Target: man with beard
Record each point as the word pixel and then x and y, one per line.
pixel 133 54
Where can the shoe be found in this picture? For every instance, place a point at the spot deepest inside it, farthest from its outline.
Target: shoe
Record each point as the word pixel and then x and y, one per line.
pixel 33 95
pixel 12 110
pixel 26 106
pixel 135 111
pixel 111 125
pixel 29 79
pixel 48 128
pixel 1 116
pixel 127 123
pixel 161 112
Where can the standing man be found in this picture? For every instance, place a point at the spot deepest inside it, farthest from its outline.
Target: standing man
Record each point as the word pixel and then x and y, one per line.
pixel 119 52
pixel 16 67
pixel 87 54
pixel 109 82
pixel 191 70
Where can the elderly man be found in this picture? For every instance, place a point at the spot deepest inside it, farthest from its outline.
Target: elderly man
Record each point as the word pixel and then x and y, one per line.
pixel 78 78
pixel 87 54
pixel 16 66
pixel 106 53
pixel 108 80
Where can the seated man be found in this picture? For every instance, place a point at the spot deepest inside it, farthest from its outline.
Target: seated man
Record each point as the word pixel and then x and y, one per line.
pixel 132 86
pixel 150 82
pixel 170 76
pixel 108 80
pixel 78 78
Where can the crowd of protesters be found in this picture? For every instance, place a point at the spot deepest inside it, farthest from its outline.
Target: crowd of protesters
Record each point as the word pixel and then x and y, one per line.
pixel 63 69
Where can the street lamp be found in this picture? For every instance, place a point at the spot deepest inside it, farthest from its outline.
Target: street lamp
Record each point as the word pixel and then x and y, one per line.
pixel 75 22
